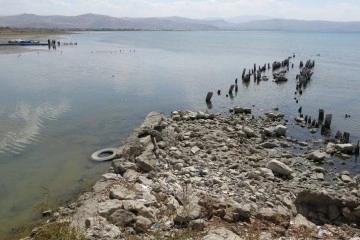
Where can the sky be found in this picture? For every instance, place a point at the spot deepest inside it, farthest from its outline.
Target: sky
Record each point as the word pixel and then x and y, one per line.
pixel 333 10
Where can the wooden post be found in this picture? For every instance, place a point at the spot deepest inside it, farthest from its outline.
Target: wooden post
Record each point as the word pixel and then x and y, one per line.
pixel 208 97
pixel 346 137
pixel 328 118
pixel 231 89
pixel 321 116
pixel 254 71
pixel 243 74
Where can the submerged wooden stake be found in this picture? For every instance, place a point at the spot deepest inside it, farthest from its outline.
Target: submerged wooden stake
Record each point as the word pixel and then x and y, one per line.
pixel 321 116
pixel 231 89
pixel 208 97
pixel 328 118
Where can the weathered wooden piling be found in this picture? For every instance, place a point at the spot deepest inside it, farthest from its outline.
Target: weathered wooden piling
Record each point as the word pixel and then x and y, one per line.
pixel 346 137
pixel 313 123
pixel 231 89
pixel 254 71
pixel 328 118
pixel 208 97
pixel 243 74
pixel 321 115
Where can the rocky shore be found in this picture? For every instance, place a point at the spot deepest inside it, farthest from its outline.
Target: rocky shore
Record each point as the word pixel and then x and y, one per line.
pixel 211 177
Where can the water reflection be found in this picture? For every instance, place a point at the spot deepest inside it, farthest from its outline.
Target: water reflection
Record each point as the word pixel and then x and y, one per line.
pixel 25 122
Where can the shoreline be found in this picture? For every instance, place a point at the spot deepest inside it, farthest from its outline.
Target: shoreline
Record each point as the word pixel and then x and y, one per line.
pixel 213 176
pixel 31 34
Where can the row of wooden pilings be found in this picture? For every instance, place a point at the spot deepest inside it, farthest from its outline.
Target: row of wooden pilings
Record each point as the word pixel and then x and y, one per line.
pixel 325 122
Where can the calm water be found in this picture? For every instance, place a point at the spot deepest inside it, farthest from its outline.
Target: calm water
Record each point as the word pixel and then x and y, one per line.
pixel 57 107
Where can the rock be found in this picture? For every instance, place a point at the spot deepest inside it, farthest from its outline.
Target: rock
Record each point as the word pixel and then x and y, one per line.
pixel 132 205
pixel 279 167
pixel 357 178
pixel 267 173
pixel 145 141
pixel 194 150
pixel 345 148
pixel 145 164
pixel 98 227
pixel 121 193
pixel 300 221
pixel 131 175
pixel 346 178
pixel 249 132
pixel 280 130
pixel 221 234
pixel 333 212
pixel 122 218
pixel 242 211
pixel 111 176
pixel 198 224
pixel 330 148
pixel 269 131
pixel 142 224
pixel 318 155
pixel 147 213
pixel 320 176
pixel 120 166
pixel 274 115
pixel 187 213
pixel 108 207
pixel 269 145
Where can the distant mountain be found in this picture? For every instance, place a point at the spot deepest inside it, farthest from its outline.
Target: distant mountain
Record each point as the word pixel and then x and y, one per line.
pixel 103 22
pixel 247 18
pixel 299 25
pixel 94 21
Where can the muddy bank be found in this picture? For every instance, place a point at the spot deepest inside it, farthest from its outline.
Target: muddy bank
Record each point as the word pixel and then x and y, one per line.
pixel 218 177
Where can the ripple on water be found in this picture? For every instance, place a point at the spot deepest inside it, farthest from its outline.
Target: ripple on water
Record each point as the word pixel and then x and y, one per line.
pixel 29 120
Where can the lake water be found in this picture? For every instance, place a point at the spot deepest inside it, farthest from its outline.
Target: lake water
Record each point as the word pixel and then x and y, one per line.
pixel 59 106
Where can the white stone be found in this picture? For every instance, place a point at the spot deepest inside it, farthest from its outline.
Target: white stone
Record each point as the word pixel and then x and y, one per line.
pixel 279 167
pixel 249 131
pixel 345 148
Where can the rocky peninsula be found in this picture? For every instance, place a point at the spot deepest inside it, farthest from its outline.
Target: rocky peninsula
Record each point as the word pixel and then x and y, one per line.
pixel 198 175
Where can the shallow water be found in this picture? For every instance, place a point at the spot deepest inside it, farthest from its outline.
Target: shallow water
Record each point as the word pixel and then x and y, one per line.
pixel 57 107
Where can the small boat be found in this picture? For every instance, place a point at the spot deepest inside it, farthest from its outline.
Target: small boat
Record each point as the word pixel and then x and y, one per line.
pixel 264 78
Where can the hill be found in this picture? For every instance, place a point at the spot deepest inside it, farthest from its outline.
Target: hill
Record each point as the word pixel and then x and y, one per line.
pixel 103 22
